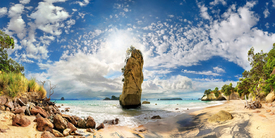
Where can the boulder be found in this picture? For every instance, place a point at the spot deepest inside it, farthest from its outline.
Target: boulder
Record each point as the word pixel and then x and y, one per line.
pixel 112 122
pixel 101 126
pixel 66 132
pixel 220 116
pixel 3 100
pixel 43 124
pixel 10 105
pixel 8 109
pixel 70 119
pixel 270 97
pixel 156 117
pixel 59 122
pixel 57 133
pixel 39 110
pixel 23 100
pixel 90 122
pixel 76 118
pixel 145 102
pixel 81 123
pixel 20 110
pixel 20 120
pixel 133 78
pixel 47 134
pixel 72 127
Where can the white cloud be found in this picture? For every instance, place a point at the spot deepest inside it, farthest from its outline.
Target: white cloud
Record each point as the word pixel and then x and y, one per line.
pixel 267 25
pixel 3 11
pixel 266 13
pixel 273 1
pixel 204 13
pixel 17 24
pixel 219 70
pixel 25 1
pixel 84 3
pixel 216 2
pixel 201 72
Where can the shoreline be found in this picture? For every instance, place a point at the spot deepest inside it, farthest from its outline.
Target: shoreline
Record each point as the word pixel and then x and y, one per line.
pixel 193 123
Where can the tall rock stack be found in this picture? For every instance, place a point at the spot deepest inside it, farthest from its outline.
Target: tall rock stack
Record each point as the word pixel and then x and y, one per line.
pixel 133 78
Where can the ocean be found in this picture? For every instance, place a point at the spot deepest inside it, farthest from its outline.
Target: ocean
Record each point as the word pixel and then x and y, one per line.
pixel 102 110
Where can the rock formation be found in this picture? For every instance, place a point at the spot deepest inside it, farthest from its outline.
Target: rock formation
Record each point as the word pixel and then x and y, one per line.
pixel 220 116
pixel 133 78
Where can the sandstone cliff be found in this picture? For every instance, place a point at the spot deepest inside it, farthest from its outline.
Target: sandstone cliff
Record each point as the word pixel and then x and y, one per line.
pixel 212 97
pixel 133 78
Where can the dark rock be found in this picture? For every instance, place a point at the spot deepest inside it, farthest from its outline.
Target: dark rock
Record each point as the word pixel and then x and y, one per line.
pixel 20 110
pixel 112 122
pixel 156 117
pixel 59 122
pixel 70 119
pixel 67 109
pixel 76 118
pixel 177 109
pixel 101 126
pixel 62 111
pixel 59 106
pixel 116 121
pixel 39 110
pixel 90 122
pixel 20 120
pixel 62 98
pixel 57 133
pixel 43 124
pixel 81 123
pixel 23 100
pixel 47 134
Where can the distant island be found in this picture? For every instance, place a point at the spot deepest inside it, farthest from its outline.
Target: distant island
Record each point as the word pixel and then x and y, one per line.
pixel 112 98
pixel 62 98
pixel 171 99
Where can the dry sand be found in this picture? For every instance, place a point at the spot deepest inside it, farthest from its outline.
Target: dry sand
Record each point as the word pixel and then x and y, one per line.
pixel 245 124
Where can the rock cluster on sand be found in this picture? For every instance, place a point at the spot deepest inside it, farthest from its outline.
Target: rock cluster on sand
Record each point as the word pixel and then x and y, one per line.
pixel 220 116
pixel 48 117
pixel 133 78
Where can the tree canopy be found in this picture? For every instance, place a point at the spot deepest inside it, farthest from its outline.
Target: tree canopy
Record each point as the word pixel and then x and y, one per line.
pixel 7 64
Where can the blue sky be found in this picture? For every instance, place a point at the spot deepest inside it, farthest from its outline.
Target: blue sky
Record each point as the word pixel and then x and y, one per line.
pixel 188 46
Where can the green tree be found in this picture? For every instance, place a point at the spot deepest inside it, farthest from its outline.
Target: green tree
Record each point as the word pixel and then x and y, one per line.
pixel 227 89
pixel 207 92
pixel 7 64
pixel 216 92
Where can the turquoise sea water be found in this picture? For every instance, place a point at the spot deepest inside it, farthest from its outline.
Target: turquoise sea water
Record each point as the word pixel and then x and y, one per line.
pixel 102 110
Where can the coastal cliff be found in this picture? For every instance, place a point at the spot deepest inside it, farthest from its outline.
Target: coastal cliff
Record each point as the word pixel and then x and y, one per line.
pixel 133 78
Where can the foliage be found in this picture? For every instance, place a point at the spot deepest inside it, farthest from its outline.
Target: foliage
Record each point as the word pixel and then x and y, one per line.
pixel 216 92
pixel 207 92
pixel 128 54
pixel 7 64
pixel 227 89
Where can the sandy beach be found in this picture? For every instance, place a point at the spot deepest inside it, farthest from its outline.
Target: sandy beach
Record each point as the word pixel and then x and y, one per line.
pixel 245 123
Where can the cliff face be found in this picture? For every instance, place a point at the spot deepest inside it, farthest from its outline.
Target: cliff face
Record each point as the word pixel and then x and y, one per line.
pixel 212 97
pixel 133 78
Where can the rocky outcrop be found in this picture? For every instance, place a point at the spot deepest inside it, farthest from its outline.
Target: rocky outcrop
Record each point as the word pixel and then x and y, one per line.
pixel 43 124
pixel 101 126
pixel 20 120
pixel 47 134
pixel 145 102
pixel 20 110
pixel 133 78
pixel 39 110
pixel 156 117
pixel 57 133
pixel 90 122
pixel 59 122
pixel 3 100
pixel 212 97
pixel 81 123
pixel 270 97
pixel 220 116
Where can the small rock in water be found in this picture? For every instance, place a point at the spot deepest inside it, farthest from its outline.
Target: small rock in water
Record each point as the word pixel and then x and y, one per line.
pixel 156 117
pixel 155 104
pixel 187 108
pixel 62 111
pixel 62 105
pixel 177 109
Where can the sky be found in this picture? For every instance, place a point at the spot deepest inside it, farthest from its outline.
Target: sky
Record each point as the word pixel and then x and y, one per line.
pixel 188 46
